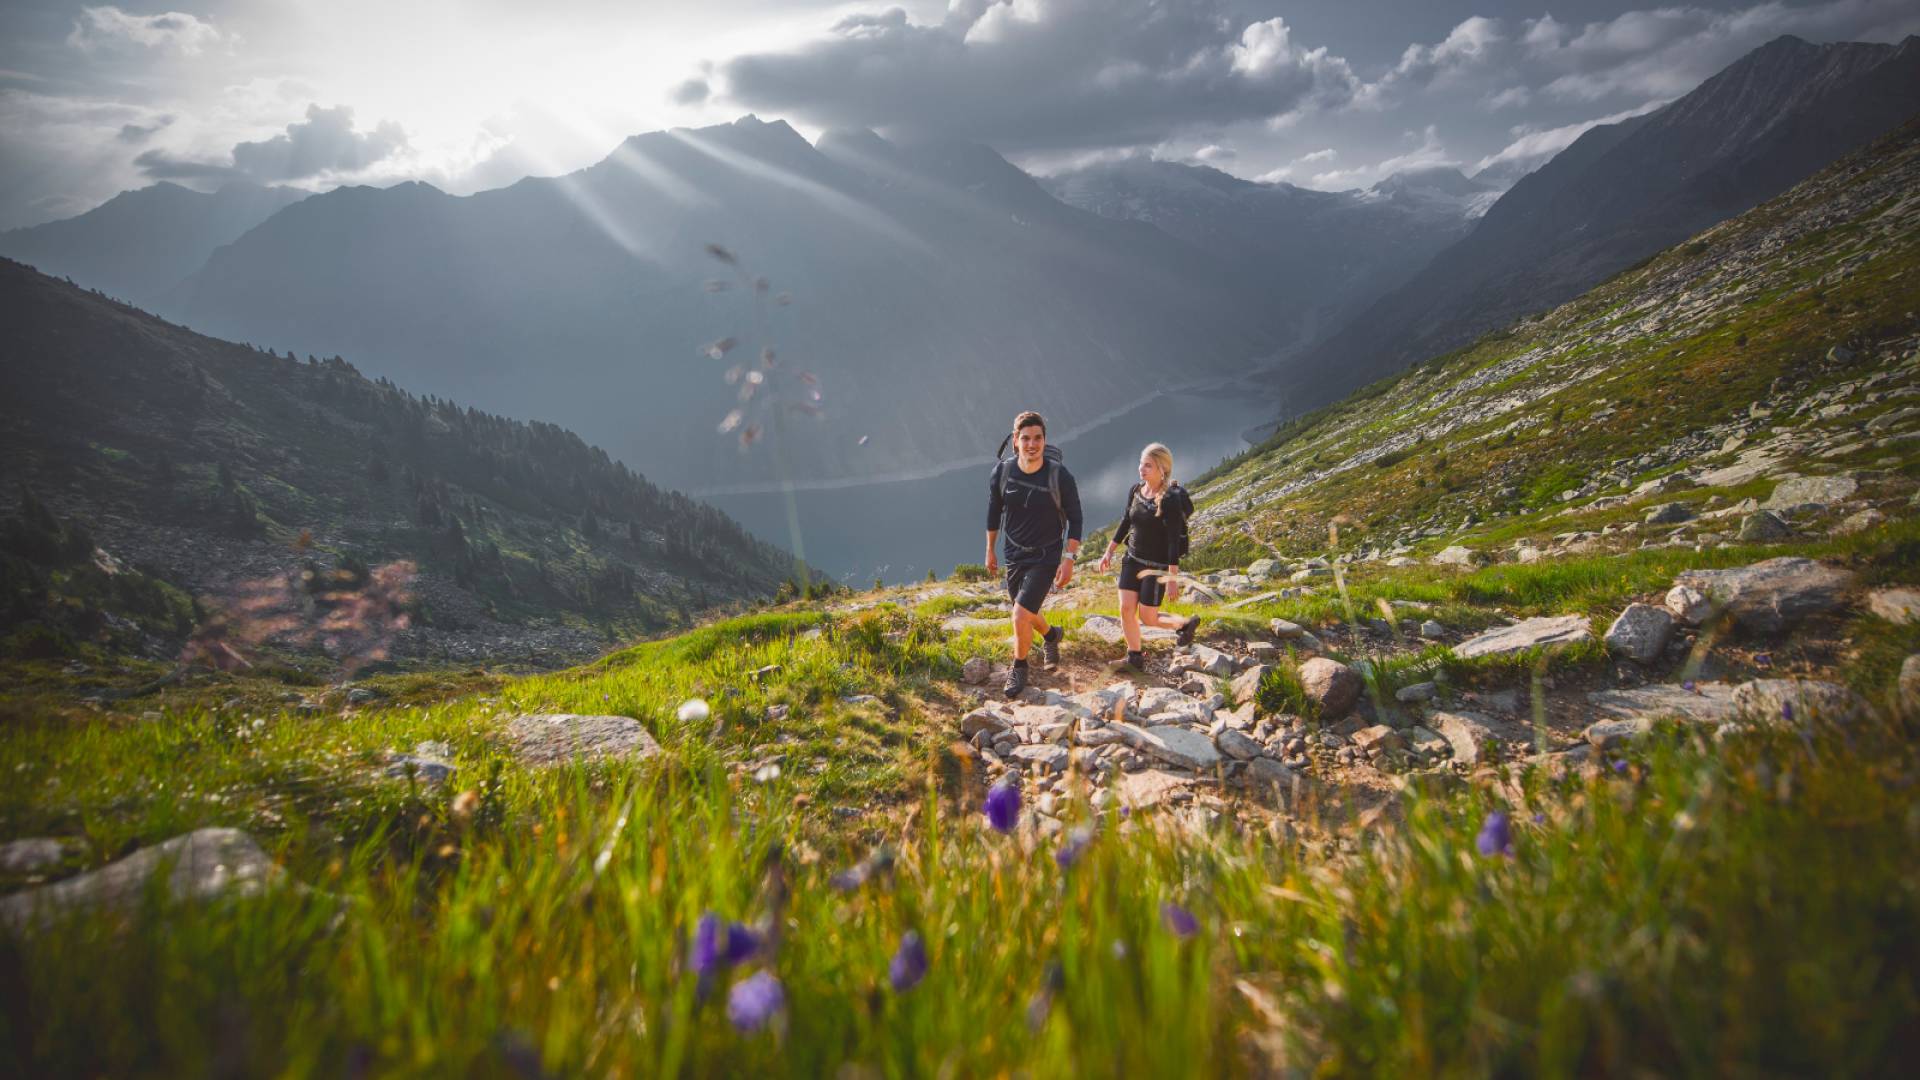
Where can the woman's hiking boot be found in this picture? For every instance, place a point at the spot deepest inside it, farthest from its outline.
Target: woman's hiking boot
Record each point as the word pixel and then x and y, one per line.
pixel 1135 662
pixel 1050 646
pixel 1184 635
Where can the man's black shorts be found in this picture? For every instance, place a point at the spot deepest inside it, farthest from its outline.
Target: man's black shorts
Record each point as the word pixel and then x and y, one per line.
pixel 1151 589
pixel 1028 583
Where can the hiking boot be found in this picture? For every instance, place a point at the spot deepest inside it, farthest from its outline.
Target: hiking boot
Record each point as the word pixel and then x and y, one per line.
pixel 1016 680
pixel 1184 635
pixel 1050 646
pixel 1133 662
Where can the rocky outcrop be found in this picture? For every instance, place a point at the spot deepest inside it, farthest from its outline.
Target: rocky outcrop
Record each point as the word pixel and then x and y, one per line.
pixel 200 865
pixel 558 738
pixel 1768 597
pixel 1546 632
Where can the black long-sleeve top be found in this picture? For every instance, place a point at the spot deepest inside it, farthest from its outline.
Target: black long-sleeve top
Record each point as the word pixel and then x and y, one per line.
pixel 1155 531
pixel 1020 506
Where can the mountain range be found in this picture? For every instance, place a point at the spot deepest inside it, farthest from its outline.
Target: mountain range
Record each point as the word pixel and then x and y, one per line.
pixel 1622 192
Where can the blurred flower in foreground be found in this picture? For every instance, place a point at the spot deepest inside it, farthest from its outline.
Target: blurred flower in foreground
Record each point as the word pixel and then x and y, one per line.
pixel 1179 921
pixel 718 944
pixel 878 864
pixel 1496 835
pixel 1074 846
pixel 1041 1005
pixel 694 711
pixel 754 1001
pixel 1003 807
pixel 909 963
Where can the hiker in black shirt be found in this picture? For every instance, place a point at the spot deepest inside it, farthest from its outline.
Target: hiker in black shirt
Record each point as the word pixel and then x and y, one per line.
pixel 1032 500
pixel 1154 528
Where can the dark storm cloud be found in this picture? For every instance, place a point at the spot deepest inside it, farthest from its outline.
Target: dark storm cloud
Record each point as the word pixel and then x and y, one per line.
pixel 325 143
pixel 1043 73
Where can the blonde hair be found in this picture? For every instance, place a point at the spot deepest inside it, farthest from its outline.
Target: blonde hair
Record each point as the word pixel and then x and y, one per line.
pixel 1163 457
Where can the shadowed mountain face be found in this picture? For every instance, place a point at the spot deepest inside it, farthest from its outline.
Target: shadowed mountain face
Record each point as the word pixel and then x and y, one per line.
pixel 140 244
pixel 1624 191
pixel 936 291
pixel 210 464
pixel 1315 257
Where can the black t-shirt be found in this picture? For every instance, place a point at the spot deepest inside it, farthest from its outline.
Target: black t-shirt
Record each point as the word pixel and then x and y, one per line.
pixel 1155 531
pixel 1020 506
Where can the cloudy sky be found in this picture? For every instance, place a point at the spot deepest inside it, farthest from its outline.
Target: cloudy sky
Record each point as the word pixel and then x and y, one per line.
pixel 98 98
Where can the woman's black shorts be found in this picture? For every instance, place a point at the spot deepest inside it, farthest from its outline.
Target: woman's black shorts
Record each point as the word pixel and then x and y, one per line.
pixel 1151 589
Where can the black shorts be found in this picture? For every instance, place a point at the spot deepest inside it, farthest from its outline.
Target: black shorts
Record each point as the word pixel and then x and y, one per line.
pixel 1028 583
pixel 1152 589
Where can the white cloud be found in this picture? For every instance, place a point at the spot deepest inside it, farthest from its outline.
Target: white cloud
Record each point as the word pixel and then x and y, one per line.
pixel 1327 154
pixel 324 145
pixel 1429 154
pixel 1214 152
pixel 1530 148
pixel 174 31
pixel 1513 97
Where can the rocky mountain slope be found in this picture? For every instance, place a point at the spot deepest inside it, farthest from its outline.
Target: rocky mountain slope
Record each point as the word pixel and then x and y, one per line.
pixel 231 472
pixel 1624 191
pixel 1316 257
pixel 914 274
pixel 139 245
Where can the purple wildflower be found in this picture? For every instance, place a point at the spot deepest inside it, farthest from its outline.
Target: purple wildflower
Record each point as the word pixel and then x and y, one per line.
pixel 706 945
pixel 1688 686
pixel 1496 835
pixel 742 943
pixel 1074 846
pixel 1003 807
pixel 754 1001
pixel 1180 922
pixel 1786 711
pixel 909 964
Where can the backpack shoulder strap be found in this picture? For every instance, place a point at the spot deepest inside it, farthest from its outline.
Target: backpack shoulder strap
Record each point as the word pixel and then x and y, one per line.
pixel 1053 488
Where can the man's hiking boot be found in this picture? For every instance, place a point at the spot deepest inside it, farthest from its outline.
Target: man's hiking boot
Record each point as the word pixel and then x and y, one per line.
pixel 1184 635
pixel 1050 646
pixel 1134 663
pixel 1016 680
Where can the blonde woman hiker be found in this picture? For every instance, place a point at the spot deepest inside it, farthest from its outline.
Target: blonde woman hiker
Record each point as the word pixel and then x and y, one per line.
pixel 1031 501
pixel 1154 528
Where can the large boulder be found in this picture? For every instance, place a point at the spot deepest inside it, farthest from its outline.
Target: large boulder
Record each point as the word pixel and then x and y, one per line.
pixel 1764 527
pixel 980 720
pixel 1466 733
pixel 1710 703
pixel 1640 633
pixel 1332 686
pixel 1688 605
pixel 1795 703
pixel 1213 661
pixel 1458 556
pixel 1810 492
pixel 1544 632
pixel 1238 745
pixel 1769 596
pixel 1175 745
pixel 200 865
pixel 1246 685
pixel 557 738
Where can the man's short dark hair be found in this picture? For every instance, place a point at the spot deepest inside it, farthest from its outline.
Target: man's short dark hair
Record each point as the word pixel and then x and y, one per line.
pixel 1028 419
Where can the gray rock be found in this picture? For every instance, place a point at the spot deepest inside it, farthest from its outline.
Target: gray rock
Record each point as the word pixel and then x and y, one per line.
pixel 1457 556
pixel 1640 633
pixel 1426 741
pixel 1174 745
pixel 1899 606
pixel 1331 685
pixel 1466 733
pixel 1431 629
pixel 360 696
pixel 1607 734
pixel 1769 596
pixel 1283 628
pixel 1795 703
pixel 1246 685
pixel 1672 513
pixel 34 855
pixel 555 738
pixel 1097 736
pixel 1262 569
pixel 1810 492
pixel 1707 702
pixel 1213 661
pixel 1416 692
pixel 1380 736
pixel 1264 772
pixel 1035 717
pixel 1237 745
pixel 982 720
pixel 1041 755
pixel 1688 605
pixel 1264 651
pixel 425 770
pixel 1107 628
pixel 1763 527
pixel 200 865
pixel 1545 632
pixel 976 671
pixel 1860 522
